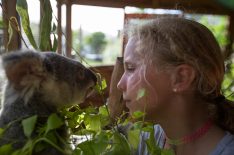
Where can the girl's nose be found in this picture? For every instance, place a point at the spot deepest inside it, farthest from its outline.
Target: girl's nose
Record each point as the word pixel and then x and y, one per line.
pixel 121 85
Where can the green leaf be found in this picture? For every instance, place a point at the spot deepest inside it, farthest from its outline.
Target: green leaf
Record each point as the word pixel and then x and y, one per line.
pixel 134 138
pixel 52 137
pixel 6 149
pixel 151 145
pixel 167 152
pixel 103 111
pixel 55 43
pixel 17 152
pixel 28 147
pixel 138 114
pixel 101 85
pixel 48 141
pixel 45 27
pixel 90 110
pixel 77 151
pixel 39 147
pixel 137 125
pixel 53 122
pixel 101 142
pixel 22 9
pixel 93 122
pixel 120 145
pixel 86 147
pixel 148 128
pixel 140 93
pixel 1 131
pixel 29 125
pixel 104 85
pixel 96 146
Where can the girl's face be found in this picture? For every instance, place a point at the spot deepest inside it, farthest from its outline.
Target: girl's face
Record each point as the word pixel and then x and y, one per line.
pixel 144 87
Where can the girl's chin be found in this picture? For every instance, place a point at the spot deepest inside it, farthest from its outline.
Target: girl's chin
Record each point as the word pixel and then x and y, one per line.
pixel 132 106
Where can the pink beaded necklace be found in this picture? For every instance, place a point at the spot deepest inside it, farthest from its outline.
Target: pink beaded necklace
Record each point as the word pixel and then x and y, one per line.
pixel 192 137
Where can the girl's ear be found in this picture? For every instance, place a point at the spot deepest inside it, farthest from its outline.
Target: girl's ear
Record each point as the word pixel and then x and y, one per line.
pixel 183 77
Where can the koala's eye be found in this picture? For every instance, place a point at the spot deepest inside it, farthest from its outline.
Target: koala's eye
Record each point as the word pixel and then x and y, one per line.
pixel 80 75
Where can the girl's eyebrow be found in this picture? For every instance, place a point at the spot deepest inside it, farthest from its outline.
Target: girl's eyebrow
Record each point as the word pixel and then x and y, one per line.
pixel 129 63
pixel 128 60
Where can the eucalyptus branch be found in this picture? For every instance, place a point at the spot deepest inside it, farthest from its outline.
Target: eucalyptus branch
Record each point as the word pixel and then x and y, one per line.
pixel 51 143
pixel 14 23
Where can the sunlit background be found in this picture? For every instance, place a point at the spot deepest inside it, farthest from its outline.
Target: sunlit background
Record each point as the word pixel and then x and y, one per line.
pixel 97 32
pixel 107 23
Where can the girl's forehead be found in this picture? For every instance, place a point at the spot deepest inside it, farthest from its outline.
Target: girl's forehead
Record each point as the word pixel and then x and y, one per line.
pixel 131 50
pixel 132 56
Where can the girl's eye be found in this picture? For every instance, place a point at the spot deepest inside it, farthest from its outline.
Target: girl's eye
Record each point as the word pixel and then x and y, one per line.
pixel 129 68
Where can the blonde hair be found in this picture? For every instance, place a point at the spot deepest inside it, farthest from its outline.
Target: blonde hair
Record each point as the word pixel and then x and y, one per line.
pixel 170 41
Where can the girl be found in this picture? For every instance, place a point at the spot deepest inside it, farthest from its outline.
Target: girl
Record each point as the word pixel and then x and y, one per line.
pixel 178 65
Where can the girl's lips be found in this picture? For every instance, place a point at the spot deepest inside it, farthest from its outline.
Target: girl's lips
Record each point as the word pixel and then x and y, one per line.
pixel 127 102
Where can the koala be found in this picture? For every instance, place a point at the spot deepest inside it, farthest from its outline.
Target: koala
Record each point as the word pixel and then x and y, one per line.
pixel 39 83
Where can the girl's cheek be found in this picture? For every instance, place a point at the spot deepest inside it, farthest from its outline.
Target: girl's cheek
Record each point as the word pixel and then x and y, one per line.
pixel 133 80
pixel 134 84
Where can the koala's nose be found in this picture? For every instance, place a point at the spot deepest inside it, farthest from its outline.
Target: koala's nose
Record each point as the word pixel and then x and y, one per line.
pixel 92 75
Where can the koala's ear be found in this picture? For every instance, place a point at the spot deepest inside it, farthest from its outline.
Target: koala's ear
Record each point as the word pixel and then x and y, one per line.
pixel 23 69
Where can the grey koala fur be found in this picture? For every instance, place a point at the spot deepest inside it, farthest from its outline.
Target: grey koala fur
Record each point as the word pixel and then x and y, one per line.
pixel 38 83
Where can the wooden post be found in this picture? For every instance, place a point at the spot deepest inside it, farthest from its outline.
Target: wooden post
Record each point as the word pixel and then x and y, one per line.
pixel 116 104
pixel 68 29
pixel 59 32
pixel 9 13
pixel 124 37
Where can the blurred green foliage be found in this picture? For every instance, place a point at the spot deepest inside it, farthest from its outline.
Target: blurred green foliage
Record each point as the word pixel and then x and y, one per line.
pixel 97 42
pixel 48 39
pixel 219 26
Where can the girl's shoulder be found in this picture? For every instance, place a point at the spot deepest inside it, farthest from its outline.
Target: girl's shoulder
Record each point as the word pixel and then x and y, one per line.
pixel 225 146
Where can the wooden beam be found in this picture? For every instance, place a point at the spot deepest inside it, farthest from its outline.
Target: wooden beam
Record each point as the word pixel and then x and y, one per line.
pixel 188 6
pixel 68 29
pixel 59 28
